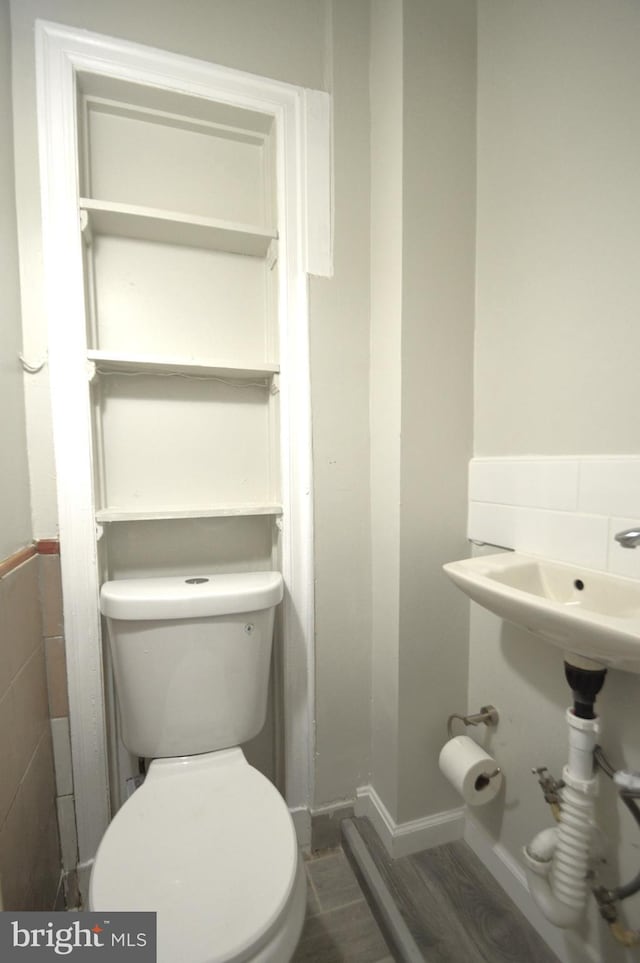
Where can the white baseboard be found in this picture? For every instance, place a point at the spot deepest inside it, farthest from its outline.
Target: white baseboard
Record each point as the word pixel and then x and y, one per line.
pixel 302 824
pixel 84 876
pixel 566 944
pixel 402 839
pixel 330 809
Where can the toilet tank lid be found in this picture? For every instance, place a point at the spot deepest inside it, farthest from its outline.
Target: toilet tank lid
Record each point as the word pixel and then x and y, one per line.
pixel 190 596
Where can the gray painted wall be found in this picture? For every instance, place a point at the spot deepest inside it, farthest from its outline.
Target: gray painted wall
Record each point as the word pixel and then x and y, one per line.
pixel 15 509
pixel 557 340
pixel 423 230
pixel 15 516
pixel 386 89
pixel 557 333
pixel 437 376
pixel 340 399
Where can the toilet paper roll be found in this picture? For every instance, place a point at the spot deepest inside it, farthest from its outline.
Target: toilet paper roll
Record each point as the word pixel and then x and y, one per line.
pixel 469 770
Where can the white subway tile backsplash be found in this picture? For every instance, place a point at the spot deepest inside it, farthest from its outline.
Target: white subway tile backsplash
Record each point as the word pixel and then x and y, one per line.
pixel 529 482
pixel 565 508
pixel 610 486
pixel 565 536
pixel 623 561
pixel 494 524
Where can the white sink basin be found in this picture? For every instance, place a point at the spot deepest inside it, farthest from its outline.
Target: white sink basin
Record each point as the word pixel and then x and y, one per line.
pixel 588 613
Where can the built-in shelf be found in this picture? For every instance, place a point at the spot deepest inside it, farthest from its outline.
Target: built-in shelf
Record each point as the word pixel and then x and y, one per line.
pixel 158 514
pixel 114 362
pixel 171 227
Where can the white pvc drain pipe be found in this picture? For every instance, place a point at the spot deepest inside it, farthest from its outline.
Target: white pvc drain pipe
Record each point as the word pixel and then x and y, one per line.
pixel 557 859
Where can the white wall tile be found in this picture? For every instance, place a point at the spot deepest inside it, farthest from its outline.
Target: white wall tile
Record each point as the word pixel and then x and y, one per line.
pixel 623 561
pixel 494 524
pixel 609 486
pixel 62 756
pixel 565 536
pixel 564 508
pixel 533 482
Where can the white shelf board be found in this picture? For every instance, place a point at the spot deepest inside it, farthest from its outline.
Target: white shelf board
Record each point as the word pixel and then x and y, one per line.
pixel 171 227
pixel 113 361
pixel 220 511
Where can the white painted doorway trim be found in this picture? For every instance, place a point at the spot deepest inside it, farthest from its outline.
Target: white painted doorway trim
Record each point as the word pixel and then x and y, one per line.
pixel 303 166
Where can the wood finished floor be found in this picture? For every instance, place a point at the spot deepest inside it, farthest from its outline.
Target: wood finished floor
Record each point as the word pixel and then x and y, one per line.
pixel 340 927
pixel 453 907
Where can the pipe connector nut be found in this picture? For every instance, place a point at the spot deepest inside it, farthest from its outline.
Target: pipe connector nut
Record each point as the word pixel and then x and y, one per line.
pixel 588 787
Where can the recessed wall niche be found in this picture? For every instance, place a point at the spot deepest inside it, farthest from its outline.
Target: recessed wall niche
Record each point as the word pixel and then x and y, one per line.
pixel 179 235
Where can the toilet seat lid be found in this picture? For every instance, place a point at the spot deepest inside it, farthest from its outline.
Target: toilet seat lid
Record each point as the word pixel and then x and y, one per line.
pixel 208 843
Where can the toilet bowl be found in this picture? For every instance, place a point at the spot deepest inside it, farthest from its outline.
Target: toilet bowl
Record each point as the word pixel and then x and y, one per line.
pixel 209 845
pixel 207 842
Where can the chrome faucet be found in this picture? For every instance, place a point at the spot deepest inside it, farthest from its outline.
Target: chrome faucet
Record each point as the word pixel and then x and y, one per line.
pixel 630 538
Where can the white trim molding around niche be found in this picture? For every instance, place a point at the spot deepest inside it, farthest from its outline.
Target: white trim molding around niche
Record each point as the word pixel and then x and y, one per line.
pixel 302 121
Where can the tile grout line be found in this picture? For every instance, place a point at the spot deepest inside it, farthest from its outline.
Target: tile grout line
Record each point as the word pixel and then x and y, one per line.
pixel 335 909
pixel 313 888
pixel 332 853
pixel 330 909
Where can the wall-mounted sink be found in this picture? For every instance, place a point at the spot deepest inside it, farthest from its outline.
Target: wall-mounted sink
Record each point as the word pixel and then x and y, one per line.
pixel 588 613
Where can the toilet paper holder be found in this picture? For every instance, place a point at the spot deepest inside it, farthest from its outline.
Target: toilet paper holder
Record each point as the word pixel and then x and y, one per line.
pixel 488 716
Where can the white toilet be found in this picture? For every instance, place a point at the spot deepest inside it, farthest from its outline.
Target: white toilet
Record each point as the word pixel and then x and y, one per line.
pixel 207 841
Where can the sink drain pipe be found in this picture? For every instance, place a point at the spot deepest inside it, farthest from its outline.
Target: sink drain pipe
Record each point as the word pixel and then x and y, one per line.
pixel 557 859
pixel 628 784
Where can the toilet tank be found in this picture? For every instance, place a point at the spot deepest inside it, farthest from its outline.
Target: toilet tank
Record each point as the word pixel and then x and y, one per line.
pixel 191 658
